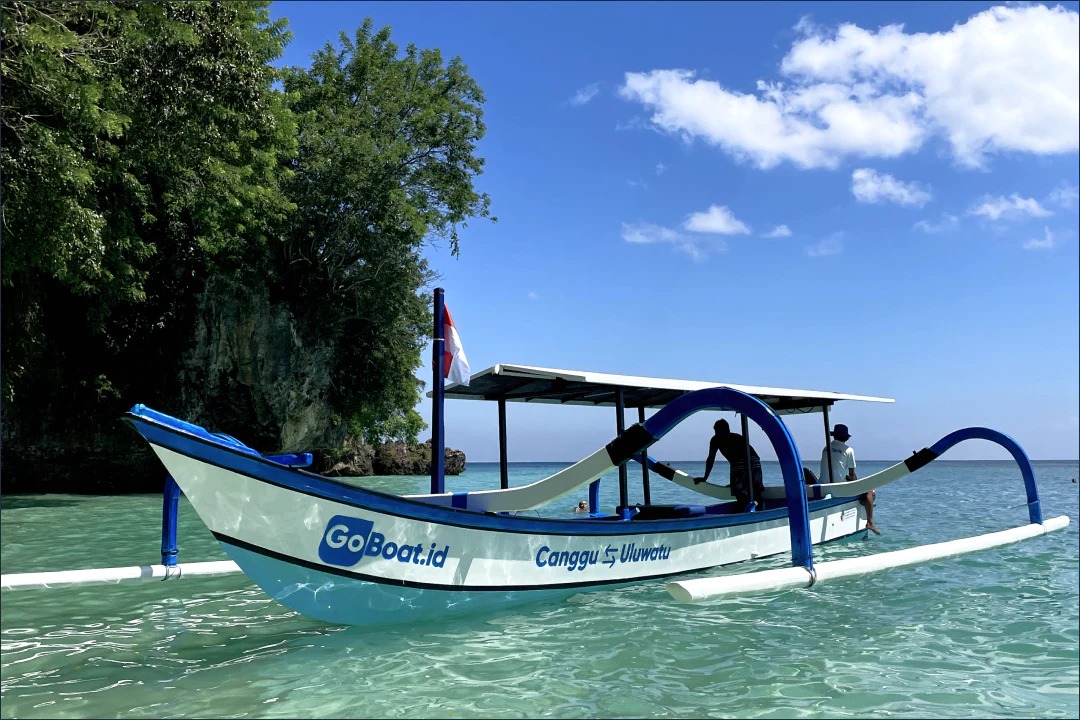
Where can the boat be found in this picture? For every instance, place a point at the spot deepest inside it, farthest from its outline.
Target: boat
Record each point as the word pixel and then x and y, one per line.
pixel 344 554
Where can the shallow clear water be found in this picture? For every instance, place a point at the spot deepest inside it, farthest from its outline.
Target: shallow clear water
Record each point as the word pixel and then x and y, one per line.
pixel 990 634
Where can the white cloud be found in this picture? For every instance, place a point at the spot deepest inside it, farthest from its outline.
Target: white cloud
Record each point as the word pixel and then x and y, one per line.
pixel 585 94
pixel 1007 79
pixel 717 219
pixel 948 222
pixel 779 231
pixel 1045 244
pixel 870 186
pixel 832 245
pixel 637 183
pixel 1064 195
pixel 812 127
pixel 648 233
pixel 645 233
pixel 1013 206
pixel 660 168
pixel 533 295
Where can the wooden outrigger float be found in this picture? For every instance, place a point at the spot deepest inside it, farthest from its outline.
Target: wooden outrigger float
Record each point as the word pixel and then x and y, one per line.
pixel 345 554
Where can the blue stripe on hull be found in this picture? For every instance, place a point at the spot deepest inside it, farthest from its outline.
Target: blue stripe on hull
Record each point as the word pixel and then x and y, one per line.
pixel 345 601
pixel 339 599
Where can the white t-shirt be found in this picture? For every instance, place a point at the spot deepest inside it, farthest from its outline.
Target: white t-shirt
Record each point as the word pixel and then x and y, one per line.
pixel 843 457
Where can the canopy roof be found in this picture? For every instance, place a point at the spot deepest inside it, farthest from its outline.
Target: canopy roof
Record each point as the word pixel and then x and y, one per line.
pixel 524 383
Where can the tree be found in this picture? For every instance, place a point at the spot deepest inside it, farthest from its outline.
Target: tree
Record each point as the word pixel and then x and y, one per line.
pixel 158 188
pixel 386 162
pixel 141 153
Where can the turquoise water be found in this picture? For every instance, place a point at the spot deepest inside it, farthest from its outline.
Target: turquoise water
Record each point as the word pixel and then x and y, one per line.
pixel 990 634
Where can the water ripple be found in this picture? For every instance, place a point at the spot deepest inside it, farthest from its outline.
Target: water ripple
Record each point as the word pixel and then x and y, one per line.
pixel 994 634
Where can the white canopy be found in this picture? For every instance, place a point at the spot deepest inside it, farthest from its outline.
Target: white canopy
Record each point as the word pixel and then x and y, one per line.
pixel 525 383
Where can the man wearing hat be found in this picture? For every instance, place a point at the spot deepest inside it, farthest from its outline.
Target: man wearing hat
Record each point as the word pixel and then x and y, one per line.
pixel 842 459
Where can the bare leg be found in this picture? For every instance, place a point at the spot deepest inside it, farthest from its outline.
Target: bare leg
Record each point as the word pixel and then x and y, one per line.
pixel 867 501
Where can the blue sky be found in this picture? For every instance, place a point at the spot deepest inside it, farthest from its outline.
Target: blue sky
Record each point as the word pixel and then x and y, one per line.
pixel 873 198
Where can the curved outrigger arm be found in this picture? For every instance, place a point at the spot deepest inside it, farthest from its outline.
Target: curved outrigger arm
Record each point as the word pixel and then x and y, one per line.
pixel 808 574
pixel 634 441
pixel 713 490
pixel 814 491
pixel 854 488
pixel 925 456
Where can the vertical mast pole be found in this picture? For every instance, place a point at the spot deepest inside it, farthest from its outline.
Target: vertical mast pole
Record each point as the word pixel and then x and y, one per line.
pixel 438 440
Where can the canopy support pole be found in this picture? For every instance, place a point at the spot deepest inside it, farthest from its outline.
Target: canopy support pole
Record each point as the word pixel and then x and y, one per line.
pixel 749 465
pixel 504 474
pixel 646 495
pixel 828 444
pixel 620 426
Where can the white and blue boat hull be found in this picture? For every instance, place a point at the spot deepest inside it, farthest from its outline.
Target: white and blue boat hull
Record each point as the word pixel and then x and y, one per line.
pixel 349 555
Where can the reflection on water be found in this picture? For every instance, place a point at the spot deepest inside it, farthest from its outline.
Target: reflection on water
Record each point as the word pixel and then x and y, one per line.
pixel 991 634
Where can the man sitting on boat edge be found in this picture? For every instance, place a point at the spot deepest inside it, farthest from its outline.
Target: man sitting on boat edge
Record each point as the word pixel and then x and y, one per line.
pixel 842 457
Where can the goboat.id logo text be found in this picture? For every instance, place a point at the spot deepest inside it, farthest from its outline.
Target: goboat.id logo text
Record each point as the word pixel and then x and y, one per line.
pixel 347 539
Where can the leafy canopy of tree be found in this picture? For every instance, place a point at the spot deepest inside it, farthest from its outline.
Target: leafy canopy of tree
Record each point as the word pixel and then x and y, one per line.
pixel 141 152
pixel 386 160
pixel 146 149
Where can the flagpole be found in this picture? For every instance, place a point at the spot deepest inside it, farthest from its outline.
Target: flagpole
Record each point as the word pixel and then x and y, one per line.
pixel 438 441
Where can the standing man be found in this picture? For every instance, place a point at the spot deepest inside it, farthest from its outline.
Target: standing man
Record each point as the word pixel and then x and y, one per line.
pixel 733 447
pixel 842 458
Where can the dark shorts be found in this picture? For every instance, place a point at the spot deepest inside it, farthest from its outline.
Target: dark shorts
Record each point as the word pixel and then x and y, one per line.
pixel 741 482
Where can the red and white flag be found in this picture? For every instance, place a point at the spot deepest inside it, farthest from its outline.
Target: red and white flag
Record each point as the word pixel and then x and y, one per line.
pixel 455 365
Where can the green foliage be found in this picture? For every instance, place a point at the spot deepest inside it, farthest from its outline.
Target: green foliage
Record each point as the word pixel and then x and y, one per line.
pixel 142 146
pixel 146 149
pixel 386 162
pixel 53 121
pixel 404 426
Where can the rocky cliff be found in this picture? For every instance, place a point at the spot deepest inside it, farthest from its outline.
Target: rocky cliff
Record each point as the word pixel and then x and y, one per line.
pixel 248 362
pixel 248 373
pixel 395 458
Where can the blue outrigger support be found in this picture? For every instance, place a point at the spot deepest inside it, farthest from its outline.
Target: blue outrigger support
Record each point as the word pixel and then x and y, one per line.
pixel 170 504
pixel 791 463
pixel 786 452
pixel 170 508
pixel 1017 452
pixel 801 553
